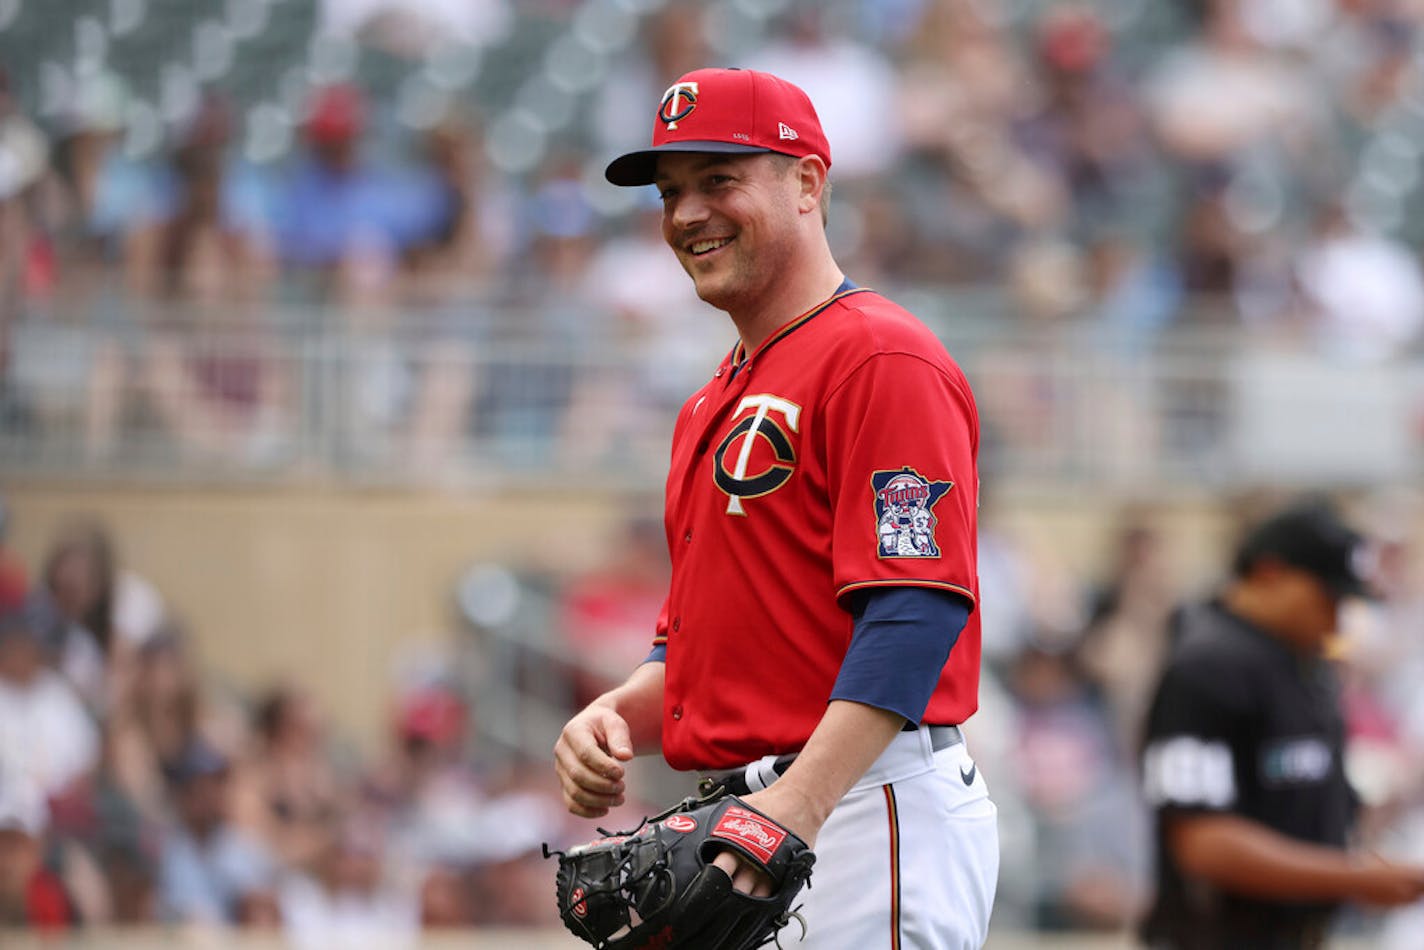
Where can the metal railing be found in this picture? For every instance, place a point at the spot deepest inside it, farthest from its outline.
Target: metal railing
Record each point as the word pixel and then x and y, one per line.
pixel 510 395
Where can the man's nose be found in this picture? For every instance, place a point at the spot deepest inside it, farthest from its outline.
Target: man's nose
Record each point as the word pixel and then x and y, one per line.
pixel 687 210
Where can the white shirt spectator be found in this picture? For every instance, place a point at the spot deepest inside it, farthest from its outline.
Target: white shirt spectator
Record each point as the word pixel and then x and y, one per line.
pixel 1369 292
pixel 320 919
pixel 45 734
pixel 1210 104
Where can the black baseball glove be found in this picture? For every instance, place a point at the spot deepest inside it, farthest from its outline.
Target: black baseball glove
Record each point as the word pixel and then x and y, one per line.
pixel 655 886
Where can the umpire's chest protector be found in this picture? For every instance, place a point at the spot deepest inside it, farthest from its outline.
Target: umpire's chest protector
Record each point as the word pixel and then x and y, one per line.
pixel 840 455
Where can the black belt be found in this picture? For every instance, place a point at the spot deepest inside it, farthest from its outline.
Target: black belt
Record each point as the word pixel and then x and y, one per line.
pixel 736 782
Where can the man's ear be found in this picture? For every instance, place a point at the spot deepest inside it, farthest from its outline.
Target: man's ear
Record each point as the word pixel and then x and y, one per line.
pixel 811 174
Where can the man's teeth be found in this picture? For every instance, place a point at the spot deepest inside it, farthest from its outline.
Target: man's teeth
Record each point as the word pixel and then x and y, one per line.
pixel 702 247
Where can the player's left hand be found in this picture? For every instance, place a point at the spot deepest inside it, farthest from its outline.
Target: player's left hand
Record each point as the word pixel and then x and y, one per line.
pixel 781 803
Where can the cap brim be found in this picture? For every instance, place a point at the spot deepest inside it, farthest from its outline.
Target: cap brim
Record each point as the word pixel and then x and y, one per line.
pixel 640 167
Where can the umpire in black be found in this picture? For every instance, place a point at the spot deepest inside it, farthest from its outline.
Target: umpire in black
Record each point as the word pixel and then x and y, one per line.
pixel 1243 757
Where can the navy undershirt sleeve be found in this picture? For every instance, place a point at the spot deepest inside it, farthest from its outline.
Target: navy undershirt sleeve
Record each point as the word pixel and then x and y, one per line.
pixel 901 642
pixel 659 654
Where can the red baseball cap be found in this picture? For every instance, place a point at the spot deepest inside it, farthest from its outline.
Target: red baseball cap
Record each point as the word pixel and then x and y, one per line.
pixel 727 110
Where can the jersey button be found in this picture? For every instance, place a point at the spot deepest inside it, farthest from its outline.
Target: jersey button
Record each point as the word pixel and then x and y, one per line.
pixel 676 624
pixel 687 538
pixel 677 712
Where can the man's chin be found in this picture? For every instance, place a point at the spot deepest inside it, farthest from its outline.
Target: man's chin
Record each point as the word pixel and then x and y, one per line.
pixel 714 292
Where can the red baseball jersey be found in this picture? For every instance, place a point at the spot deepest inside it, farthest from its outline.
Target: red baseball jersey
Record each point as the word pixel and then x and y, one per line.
pixel 841 455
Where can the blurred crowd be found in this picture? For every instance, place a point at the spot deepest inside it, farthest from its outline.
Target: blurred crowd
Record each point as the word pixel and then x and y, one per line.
pixel 1134 167
pixel 139 787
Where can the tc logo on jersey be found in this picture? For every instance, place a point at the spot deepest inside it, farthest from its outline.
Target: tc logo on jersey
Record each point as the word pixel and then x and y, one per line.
pixel 765 458
pixel 678 103
pixel 904 512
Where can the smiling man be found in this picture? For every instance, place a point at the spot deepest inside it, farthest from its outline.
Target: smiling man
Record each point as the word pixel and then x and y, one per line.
pixel 819 646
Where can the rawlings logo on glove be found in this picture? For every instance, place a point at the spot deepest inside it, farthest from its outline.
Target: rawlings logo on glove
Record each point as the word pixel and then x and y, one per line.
pixel 656 886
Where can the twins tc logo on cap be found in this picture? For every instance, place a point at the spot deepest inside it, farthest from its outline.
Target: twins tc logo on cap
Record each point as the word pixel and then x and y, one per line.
pixel 678 103
pixel 904 512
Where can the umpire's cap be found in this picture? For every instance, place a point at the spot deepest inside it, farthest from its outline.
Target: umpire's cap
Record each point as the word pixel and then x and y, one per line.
pixel 1310 535
pixel 735 111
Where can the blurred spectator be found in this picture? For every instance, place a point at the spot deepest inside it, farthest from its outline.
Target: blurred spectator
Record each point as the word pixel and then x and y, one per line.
pixel 214 371
pixel 1366 291
pixel 1136 294
pixel 1091 844
pixel 441 817
pixel 46 737
pixel 31 894
pixel 52 377
pixel 974 189
pixel 530 404
pixel 1126 638
pixel 157 715
pixel 608 613
pixel 113 837
pixel 341 221
pixel 852 80
pixel 27 255
pixel 1370 60
pixel 414 333
pixel 477 230
pixel 206 250
pixel 1047 281
pixel 1087 128
pixel 1222 93
pixel 108 191
pixel 446 900
pixel 295 791
pixel 104 610
pixel 206 866
pixel 345 900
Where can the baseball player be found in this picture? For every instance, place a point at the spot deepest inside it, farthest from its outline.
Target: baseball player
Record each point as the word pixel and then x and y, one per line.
pixel 819 645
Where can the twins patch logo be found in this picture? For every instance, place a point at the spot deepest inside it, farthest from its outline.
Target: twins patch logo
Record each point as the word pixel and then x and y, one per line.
pixel 751 831
pixel 681 823
pixel 904 512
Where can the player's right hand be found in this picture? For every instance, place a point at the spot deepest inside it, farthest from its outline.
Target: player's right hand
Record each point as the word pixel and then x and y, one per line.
pixel 589 757
pixel 1386 884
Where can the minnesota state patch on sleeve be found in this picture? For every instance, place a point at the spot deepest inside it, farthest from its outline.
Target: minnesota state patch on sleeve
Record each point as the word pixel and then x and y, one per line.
pixel 904 512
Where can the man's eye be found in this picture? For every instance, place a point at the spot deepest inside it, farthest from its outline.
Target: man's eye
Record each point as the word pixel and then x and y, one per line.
pixel 666 193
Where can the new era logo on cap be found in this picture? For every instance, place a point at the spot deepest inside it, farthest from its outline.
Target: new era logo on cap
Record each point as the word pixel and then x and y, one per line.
pixel 730 111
